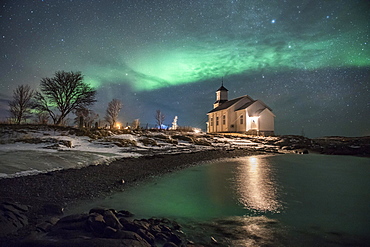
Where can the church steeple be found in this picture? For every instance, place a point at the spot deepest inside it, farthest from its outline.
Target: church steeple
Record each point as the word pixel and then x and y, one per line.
pixel 221 95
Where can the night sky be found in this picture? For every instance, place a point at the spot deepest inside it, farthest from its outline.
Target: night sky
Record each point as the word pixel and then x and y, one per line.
pixel 308 60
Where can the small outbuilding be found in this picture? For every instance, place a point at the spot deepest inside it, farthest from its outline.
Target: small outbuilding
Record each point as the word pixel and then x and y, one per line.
pixel 242 115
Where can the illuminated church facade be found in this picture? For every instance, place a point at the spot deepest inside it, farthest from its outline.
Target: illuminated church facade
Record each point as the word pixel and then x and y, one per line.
pixel 241 115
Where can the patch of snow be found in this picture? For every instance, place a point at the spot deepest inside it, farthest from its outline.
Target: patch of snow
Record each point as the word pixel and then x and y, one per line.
pixel 49 151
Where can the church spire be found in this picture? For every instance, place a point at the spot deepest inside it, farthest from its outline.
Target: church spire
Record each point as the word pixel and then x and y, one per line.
pixel 222 88
pixel 221 95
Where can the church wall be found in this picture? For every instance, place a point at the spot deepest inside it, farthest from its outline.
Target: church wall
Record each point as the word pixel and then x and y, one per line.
pixel 229 120
pixel 255 107
pixel 266 121
pixel 241 126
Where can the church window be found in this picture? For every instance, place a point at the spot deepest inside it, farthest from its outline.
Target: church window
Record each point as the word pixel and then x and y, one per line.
pixel 224 119
pixel 241 119
pixel 211 121
pixel 216 121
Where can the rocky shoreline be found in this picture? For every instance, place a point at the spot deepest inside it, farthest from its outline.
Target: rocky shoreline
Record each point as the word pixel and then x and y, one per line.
pixel 32 202
pixel 31 207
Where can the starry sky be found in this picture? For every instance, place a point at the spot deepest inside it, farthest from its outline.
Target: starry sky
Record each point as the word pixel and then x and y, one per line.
pixel 308 60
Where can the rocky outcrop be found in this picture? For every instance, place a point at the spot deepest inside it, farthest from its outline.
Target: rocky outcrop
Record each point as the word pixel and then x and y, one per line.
pixel 339 145
pixel 105 227
pixel 12 217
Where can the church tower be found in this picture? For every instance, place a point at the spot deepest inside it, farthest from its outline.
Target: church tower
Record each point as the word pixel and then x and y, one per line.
pixel 221 95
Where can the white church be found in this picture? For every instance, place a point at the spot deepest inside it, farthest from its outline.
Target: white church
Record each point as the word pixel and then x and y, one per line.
pixel 241 115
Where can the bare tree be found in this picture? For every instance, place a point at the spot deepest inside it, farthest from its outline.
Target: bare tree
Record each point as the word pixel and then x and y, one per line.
pixel 159 117
pixel 62 94
pixel 85 117
pixel 136 124
pixel 21 105
pixel 42 117
pixel 112 111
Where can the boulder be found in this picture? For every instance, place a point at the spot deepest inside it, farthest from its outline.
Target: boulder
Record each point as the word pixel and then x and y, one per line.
pixel 161 237
pixel 170 244
pixel 128 225
pixel 101 227
pixel 124 213
pixel 98 210
pixel 109 232
pixel 111 219
pixel 147 236
pixel 96 223
pixel 143 224
pixel 12 217
pixel 52 209
pixel 71 222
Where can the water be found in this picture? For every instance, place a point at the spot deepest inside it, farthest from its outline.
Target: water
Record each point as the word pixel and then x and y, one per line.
pixel 283 200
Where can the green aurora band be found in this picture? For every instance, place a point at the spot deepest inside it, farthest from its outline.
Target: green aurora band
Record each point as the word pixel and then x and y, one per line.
pixel 192 60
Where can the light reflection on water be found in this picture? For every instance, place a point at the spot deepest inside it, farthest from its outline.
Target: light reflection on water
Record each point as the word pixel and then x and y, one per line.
pixel 283 200
pixel 238 231
pixel 255 185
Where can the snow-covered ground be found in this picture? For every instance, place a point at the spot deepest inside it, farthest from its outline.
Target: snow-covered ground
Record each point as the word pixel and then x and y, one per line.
pixel 32 151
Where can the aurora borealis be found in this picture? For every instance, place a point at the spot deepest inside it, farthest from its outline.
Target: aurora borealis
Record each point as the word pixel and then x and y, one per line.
pixel 308 60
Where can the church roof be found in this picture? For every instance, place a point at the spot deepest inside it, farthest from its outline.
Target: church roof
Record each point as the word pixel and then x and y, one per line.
pixel 246 105
pixel 222 88
pixel 227 104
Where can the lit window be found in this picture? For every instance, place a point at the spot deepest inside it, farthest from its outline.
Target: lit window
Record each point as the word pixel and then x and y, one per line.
pixel 241 119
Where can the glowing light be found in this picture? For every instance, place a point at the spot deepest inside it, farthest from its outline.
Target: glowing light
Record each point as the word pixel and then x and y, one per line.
pixel 118 126
pixel 197 130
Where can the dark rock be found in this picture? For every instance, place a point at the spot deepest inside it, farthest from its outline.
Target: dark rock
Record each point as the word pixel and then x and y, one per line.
pixel 175 239
pixel 161 237
pixel 165 228
pixel 74 218
pixel 53 220
pixel 136 243
pixel 109 232
pixel 202 141
pixel 147 236
pixel 111 220
pixel 71 222
pixel 52 209
pixel 113 211
pixel 154 229
pixel 97 223
pixel 143 224
pixel 123 220
pixel 83 242
pixel 98 210
pixel 183 138
pixel 176 225
pixel 12 218
pixel 170 244
pixel 18 206
pixel 129 235
pixel 124 213
pixel 129 226
pixel 66 143
pixel 44 226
